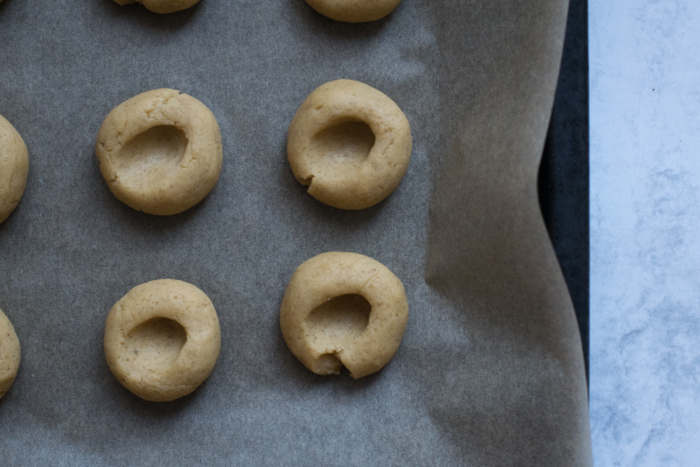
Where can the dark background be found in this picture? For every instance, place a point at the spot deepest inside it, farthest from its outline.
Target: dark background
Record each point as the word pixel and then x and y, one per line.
pixel 563 179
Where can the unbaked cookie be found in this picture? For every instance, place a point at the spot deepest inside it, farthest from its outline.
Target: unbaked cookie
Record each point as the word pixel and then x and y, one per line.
pixel 162 339
pixel 14 168
pixel 162 6
pixel 9 354
pixel 354 11
pixel 350 144
pixel 160 152
pixel 343 309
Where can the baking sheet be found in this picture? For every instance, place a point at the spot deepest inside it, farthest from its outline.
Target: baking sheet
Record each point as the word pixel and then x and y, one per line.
pixel 563 179
pixel 490 370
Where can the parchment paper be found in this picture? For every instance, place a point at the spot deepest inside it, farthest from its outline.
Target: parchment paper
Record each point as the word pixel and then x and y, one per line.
pixel 490 370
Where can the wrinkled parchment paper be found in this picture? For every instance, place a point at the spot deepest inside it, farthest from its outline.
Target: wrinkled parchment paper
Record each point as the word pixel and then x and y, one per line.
pixel 490 371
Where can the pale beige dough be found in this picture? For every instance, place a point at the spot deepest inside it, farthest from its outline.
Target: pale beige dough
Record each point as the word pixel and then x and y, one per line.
pixel 354 11
pixel 14 168
pixel 9 354
pixel 160 152
pixel 343 309
pixel 350 143
pixel 162 6
pixel 162 339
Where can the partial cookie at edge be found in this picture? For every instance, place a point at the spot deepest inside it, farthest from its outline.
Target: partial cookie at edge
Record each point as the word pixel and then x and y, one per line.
pixel 10 354
pixel 354 11
pixel 162 6
pixel 14 168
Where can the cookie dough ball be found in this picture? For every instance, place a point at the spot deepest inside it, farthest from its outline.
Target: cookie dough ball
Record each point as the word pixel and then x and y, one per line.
pixel 350 144
pixel 354 11
pixel 14 168
pixel 9 354
pixel 162 339
pixel 162 6
pixel 160 152
pixel 343 309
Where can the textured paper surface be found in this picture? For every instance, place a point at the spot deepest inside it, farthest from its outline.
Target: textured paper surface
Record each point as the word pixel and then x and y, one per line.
pixel 490 370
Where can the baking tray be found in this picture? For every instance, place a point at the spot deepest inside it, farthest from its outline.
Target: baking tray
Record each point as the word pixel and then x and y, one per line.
pixel 490 371
pixel 563 181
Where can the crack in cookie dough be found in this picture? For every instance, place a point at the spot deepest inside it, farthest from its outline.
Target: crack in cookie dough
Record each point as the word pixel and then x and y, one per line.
pixel 350 144
pixel 147 145
pixel 354 11
pixel 162 339
pixel 343 309
pixel 9 354
pixel 162 6
pixel 14 168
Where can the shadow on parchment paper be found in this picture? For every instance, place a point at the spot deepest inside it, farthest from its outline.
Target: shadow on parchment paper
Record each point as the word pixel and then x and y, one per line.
pixel 142 408
pixel 139 14
pixel 8 394
pixel 10 219
pixel 105 201
pixel 129 401
pixel 152 223
pixel 317 24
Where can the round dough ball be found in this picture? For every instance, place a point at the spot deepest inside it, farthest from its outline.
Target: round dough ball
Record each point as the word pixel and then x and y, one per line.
pixel 343 309
pixel 354 11
pixel 162 6
pixel 14 168
pixel 9 354
pixel 160 152
pixel 162 339
pixel 350 144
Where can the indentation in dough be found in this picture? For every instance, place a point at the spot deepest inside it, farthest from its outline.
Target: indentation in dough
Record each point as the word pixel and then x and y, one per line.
pixel 150 155
pixel 327 364
pixel 347 143
pixel 155 344
pixel 335 324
